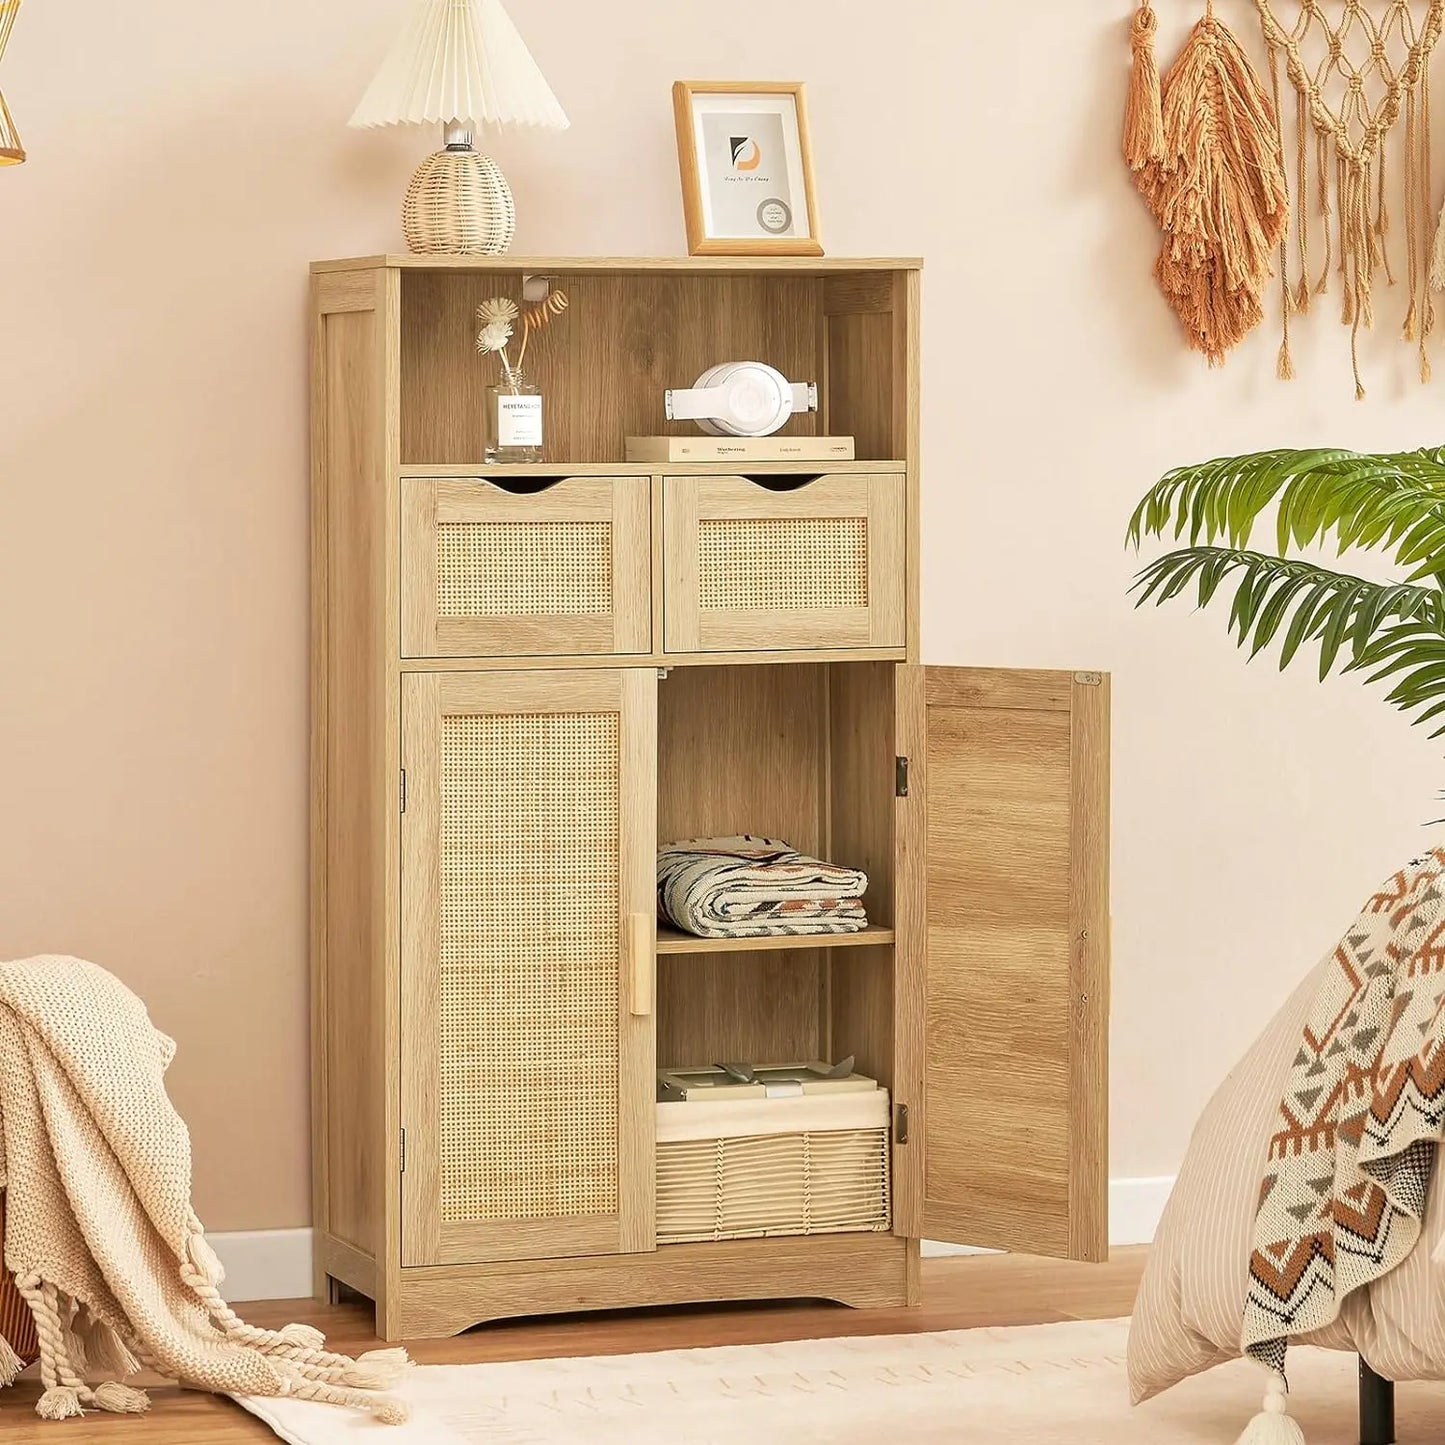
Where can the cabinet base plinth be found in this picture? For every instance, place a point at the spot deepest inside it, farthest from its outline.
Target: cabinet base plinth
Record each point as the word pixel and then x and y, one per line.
pixel 865 1271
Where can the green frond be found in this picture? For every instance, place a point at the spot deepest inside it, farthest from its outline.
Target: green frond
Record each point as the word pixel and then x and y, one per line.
pixel 1395 629
pixel 1395 502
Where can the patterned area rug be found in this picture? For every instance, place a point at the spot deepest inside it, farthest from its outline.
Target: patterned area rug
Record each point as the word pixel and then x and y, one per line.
pixel 1045 1385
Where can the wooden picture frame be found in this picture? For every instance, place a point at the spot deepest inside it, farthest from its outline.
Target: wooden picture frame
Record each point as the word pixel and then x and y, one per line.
pixel 758 219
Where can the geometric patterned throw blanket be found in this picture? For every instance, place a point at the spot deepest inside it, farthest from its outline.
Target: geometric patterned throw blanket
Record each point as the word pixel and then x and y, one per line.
pixel 747 887
pixel 1349 1167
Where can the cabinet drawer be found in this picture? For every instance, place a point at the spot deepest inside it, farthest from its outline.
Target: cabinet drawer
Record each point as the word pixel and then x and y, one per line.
pixel 749 566
pixel 492 572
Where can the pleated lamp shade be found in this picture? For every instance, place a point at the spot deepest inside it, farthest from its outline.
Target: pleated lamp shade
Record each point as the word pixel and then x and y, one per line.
pixel 11 151
pixel 460 60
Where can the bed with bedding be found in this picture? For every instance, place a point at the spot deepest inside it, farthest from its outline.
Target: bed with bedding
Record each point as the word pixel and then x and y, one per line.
pixel 1307 1210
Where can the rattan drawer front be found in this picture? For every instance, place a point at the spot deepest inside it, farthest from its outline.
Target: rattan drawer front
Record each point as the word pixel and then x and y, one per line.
pixel 525 1090
pixel 490 573
pixel 747 568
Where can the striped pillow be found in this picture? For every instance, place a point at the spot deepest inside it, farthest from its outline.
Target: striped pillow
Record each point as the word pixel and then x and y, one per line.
pixel 17 1326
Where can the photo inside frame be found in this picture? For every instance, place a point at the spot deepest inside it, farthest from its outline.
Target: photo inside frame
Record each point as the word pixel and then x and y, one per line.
pixel 750 166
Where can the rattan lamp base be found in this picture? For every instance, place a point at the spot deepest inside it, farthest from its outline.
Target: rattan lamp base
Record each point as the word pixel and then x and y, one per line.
pixel 459 202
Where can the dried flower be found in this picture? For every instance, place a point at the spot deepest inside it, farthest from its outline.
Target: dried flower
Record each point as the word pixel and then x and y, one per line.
pixel 498 309
pixel 494 336
pixel 538 316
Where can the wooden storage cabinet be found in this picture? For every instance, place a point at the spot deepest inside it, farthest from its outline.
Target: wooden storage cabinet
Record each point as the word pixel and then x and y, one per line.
pixel 526 678
pixel 784 562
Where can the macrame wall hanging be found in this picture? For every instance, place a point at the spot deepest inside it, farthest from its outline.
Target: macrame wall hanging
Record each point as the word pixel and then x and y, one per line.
pixel 1204 147
pixel 1360 74
pixel 1370 68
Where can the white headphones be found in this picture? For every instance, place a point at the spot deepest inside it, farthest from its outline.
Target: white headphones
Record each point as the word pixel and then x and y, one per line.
pixel 741 399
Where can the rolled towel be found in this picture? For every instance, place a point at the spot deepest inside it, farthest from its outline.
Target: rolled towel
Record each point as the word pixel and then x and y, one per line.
pixel 749 887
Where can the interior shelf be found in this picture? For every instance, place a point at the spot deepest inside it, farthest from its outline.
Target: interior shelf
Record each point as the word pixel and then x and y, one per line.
pixel 670 941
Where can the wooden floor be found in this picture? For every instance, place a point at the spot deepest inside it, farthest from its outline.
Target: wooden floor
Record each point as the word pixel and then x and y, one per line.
pixel 958 1293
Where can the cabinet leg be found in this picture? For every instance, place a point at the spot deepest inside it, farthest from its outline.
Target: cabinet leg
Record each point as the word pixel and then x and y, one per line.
pixel 1377 1408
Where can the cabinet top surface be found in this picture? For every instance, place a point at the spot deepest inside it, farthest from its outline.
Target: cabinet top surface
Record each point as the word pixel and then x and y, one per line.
pixel 781 265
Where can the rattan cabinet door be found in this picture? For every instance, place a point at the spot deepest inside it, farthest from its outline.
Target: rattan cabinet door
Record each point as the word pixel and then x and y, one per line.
pixel 750 568
pixel 527 1039
pixel 488 572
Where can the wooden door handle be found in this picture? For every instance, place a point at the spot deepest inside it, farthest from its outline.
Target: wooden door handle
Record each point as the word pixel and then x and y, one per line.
pixel 638 946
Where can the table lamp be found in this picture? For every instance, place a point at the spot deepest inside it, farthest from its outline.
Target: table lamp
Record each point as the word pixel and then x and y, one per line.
pixel 11 151
pixel 459 64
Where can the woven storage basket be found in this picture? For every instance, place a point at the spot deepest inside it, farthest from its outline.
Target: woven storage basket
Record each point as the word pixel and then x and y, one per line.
pixel 759 1167
pixel 17 1325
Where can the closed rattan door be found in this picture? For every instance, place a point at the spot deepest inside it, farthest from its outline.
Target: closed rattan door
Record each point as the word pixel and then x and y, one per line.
pixel 492 572
pixel 761 564
pixel 528 1053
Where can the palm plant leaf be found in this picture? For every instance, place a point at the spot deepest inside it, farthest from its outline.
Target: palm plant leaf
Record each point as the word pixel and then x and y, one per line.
pixel 1395 630
pixel 1394 501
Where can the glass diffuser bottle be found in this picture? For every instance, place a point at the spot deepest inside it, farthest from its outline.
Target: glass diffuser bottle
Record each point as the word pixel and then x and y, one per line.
pixel 513 419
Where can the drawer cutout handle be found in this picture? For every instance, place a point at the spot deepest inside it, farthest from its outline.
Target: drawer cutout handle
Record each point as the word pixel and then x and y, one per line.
pixel 782 481
pixel 520 486
pixel 637 943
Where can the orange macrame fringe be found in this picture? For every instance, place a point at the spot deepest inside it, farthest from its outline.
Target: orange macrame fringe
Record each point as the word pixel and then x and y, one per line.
pixel 1218 189
pixel 1143 111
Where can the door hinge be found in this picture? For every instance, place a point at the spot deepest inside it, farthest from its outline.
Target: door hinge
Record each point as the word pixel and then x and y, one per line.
pixel 900 1123
pixel 403 790
pixel 1089 679
pixel 900 777
pixel 403 1151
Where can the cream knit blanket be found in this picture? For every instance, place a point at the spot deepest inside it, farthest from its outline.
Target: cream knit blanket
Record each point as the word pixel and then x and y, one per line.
pixel 99 1229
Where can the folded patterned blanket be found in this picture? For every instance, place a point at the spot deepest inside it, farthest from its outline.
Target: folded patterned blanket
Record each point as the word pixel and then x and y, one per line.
pixel 748 887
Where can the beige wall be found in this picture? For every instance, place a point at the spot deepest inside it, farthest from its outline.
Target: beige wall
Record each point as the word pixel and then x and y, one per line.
pixel 187 160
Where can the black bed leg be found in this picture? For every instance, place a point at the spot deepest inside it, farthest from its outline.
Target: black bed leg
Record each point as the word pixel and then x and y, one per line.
pixel 1377 1408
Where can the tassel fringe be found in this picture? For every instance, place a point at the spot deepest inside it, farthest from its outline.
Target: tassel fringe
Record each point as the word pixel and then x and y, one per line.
pixel 305 1369
pixel 121 1399
pixel 204 1259
pixel 1273 1425
pixel 1224 201
pixel 303 1337
pixel 106 1353
pixel 377 1370
pixel 59 1402
pixel 73 1342
pixel 10 1364
pixel 1144 110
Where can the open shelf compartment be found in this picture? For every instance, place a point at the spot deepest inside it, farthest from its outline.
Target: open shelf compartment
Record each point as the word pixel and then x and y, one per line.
pixel 803 752
pixel 628 335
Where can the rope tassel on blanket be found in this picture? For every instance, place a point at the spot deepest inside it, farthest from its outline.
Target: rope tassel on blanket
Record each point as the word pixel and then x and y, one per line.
pixel 1274 1425
pixel 107 1251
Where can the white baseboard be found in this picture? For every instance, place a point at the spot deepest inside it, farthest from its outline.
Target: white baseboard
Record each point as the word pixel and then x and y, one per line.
pixel 1134 1209
pixel 276 1263
pixel 264 1263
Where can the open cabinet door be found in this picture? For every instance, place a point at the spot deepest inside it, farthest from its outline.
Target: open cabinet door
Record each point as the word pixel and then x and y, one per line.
pixel 1003 959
